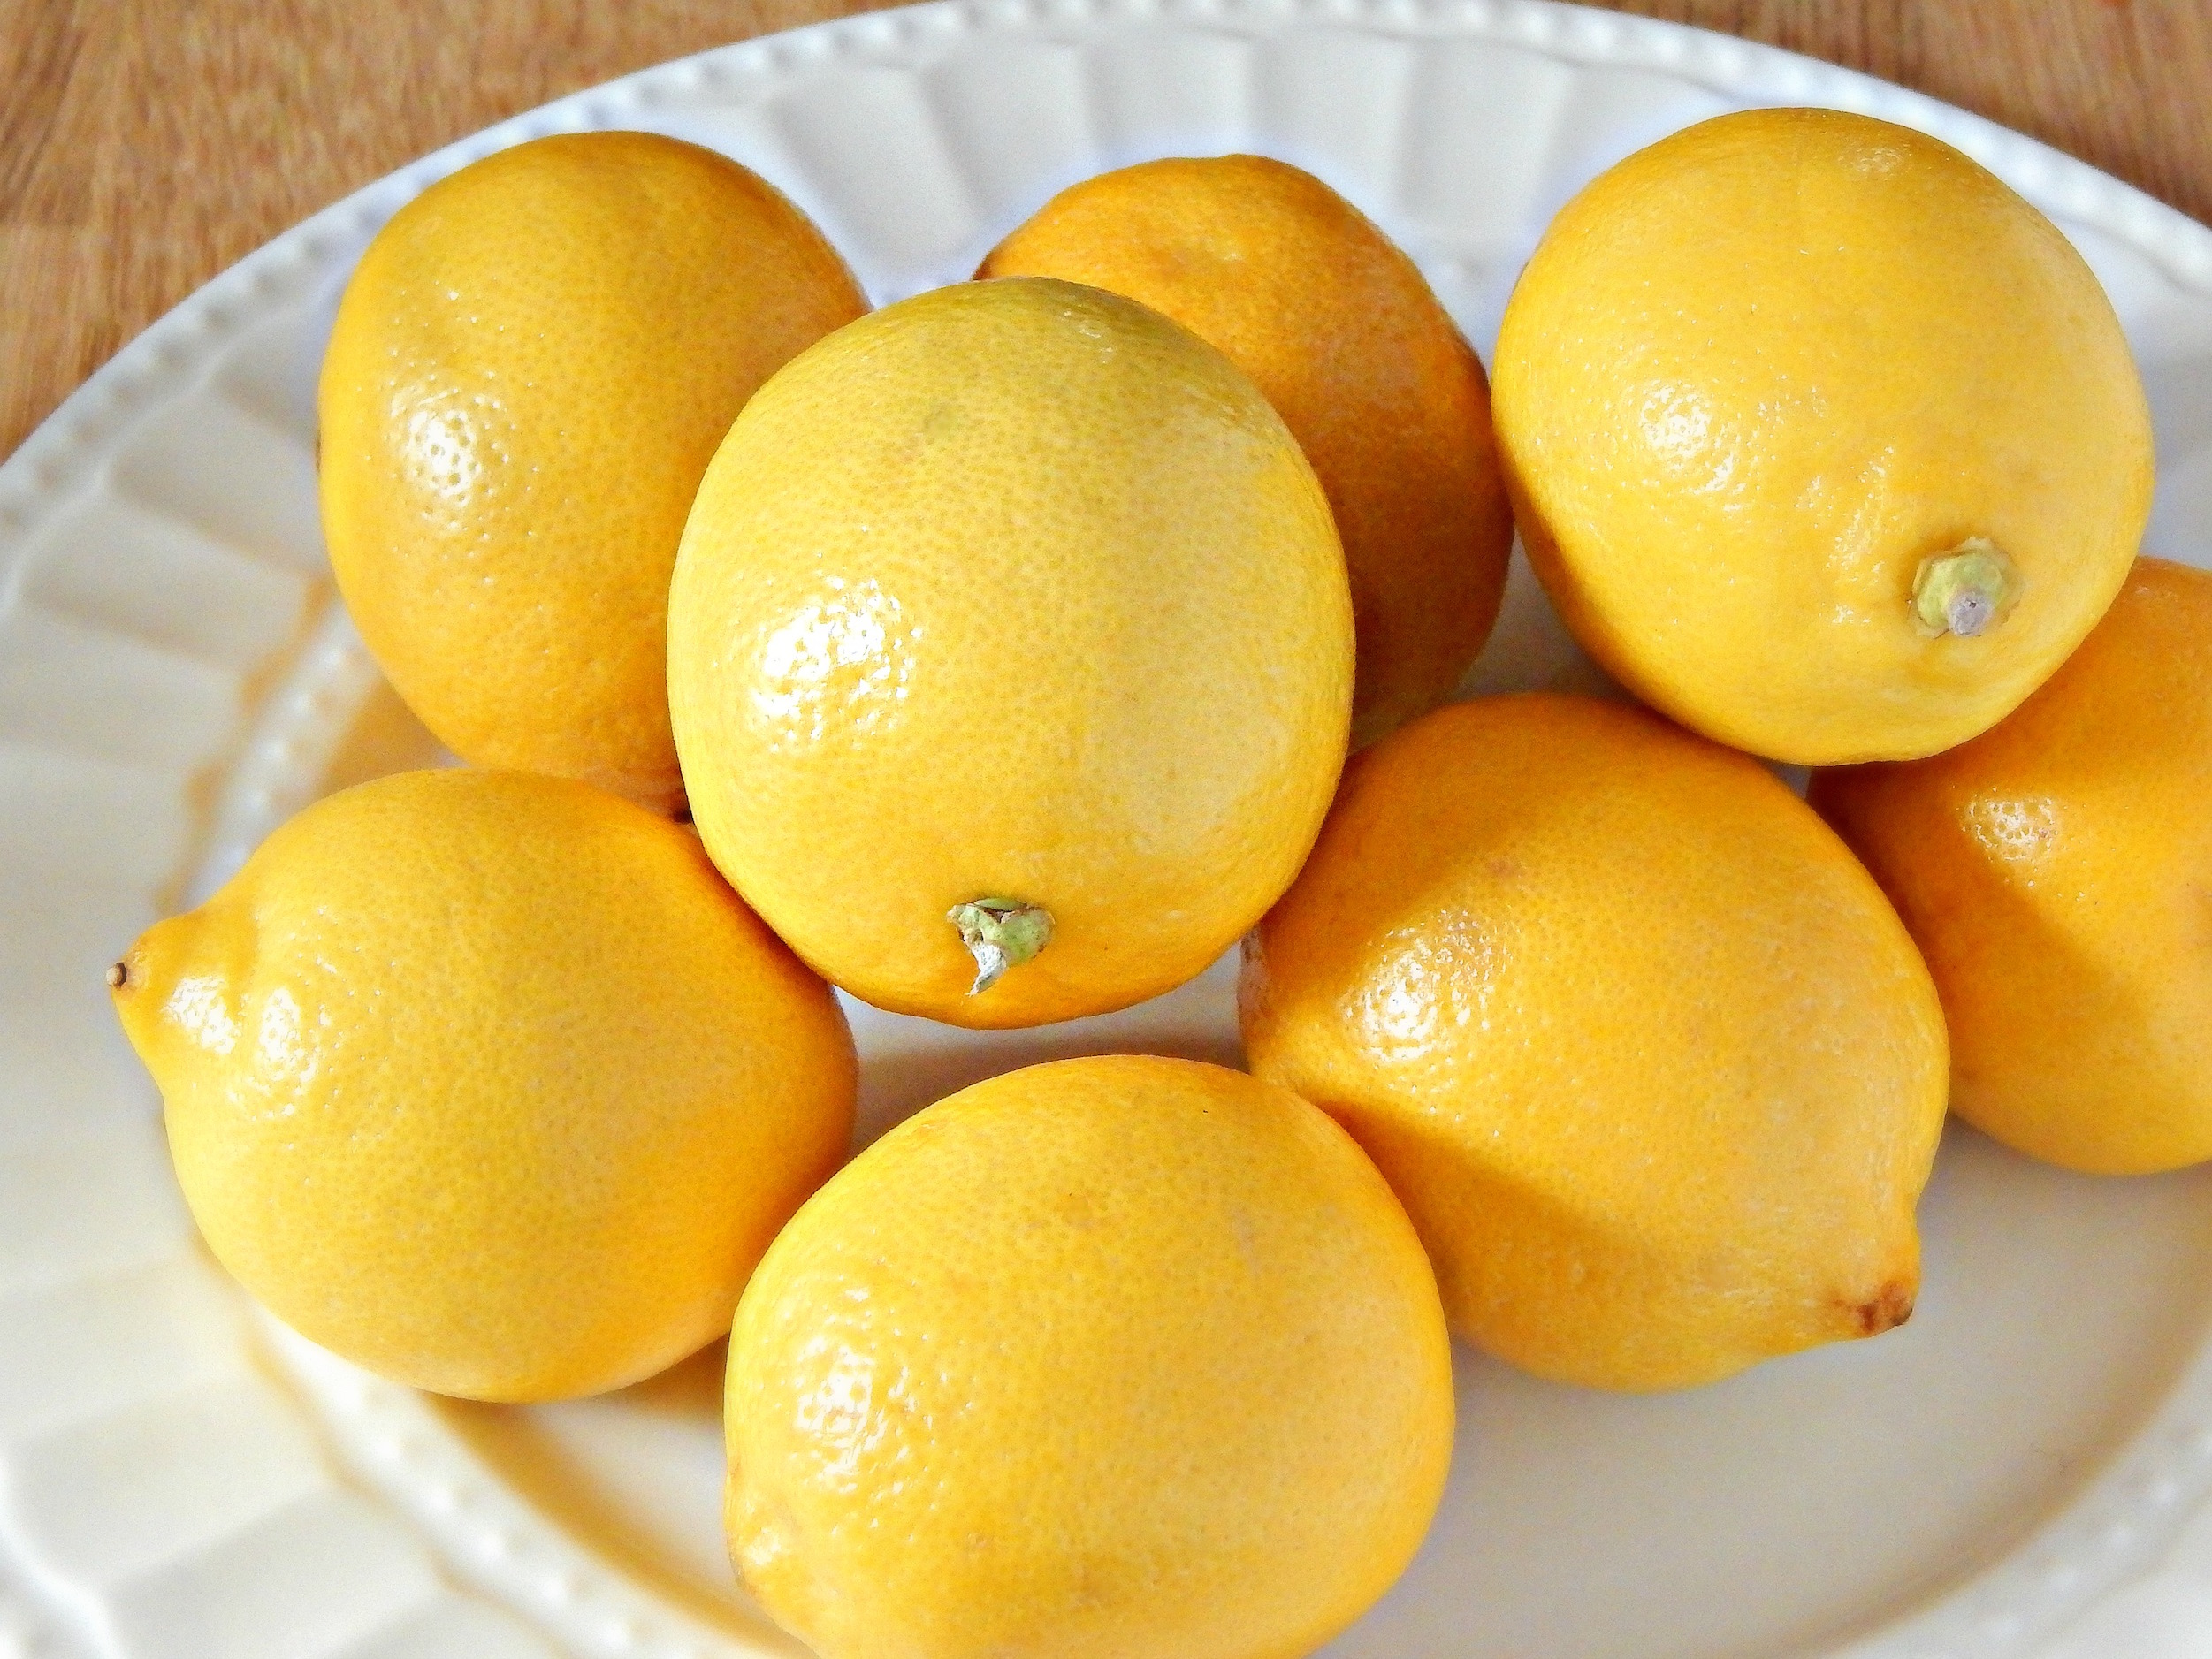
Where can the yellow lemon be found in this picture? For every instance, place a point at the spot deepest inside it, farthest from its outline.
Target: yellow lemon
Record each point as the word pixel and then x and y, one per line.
pixel 529 372
pixel 1338 328
pixel 1119 1358
pixel 1652 1062
pixel 1009 654
pixel 1824 442
pixel 2057 871
pixel 487 1081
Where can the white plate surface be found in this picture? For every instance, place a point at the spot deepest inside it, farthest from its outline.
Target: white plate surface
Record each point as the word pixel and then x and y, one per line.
pixel 2026 1469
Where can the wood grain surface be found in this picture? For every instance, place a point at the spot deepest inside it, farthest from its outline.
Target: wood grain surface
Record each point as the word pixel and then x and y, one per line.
pixel 145 144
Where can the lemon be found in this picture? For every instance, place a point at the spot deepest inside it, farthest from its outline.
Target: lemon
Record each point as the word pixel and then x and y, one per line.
pixel 486 1082
pixel 1653 1064
pixel 1337 326
pixel 1009 654
pixel 2057 871
pixel 1117 1359
pixel 529 372
pixel 1825 442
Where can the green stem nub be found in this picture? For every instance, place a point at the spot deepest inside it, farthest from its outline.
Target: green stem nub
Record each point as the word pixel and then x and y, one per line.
pixel 1966 591
pixel 1000 933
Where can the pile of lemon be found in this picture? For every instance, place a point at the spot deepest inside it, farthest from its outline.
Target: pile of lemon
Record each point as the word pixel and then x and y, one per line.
pixel 1006 648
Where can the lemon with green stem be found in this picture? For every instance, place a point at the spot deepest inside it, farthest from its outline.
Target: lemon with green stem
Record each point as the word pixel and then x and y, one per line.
pixel 1825 442
pixel 1009 654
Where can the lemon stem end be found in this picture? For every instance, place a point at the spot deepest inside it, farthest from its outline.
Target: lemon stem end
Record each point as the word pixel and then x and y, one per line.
pixel 1000 933
pixel 1966 591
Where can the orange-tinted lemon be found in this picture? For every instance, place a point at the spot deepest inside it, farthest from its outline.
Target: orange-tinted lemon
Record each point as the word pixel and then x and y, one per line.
pixel 1010 620
pixel 1118 1359
pixel 487 1082
pixel 1824 442
pixel 530 369
pixel 1650 1060
pixel 2058 873
pixel 1340 331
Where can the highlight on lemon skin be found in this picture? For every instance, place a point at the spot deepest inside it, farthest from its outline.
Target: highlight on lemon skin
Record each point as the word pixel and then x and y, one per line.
pixel 486 1082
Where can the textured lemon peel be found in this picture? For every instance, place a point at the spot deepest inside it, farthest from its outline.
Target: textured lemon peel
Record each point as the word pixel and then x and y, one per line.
pixel 1966 591
pixel 1000 933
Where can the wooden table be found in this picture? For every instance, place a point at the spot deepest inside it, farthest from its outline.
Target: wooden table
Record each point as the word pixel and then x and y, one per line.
pixel 145 144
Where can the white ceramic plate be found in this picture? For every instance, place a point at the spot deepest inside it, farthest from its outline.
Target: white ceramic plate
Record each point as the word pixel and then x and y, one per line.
pixel 2026 1469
